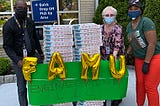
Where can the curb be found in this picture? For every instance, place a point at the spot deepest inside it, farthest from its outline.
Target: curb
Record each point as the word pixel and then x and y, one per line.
pixel 8 79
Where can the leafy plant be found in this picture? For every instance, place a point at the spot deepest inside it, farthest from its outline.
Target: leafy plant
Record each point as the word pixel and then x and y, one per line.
pixel 4 5
pixel 5 65
pixel 152 8
pixel 65 16
pixel 2 22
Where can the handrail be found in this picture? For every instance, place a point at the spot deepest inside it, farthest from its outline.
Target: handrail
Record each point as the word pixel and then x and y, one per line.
pixel 72 20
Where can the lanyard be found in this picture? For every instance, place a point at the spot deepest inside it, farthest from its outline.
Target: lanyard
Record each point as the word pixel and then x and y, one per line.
pixel 24 27
pixel 19 23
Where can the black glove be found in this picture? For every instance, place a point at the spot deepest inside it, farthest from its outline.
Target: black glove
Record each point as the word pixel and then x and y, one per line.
pixel 145 68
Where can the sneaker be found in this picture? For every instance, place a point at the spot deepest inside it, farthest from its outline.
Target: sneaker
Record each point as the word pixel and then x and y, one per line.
pixel 116 102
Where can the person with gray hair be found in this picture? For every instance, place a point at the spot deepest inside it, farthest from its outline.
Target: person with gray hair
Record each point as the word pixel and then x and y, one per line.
pixel 114 11
pixel 112 38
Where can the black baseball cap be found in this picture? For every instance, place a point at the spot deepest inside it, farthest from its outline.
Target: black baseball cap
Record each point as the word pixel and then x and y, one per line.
pixel 134 2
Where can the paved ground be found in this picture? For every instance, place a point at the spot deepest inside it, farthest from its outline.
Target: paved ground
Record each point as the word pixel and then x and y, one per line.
pixel 8 94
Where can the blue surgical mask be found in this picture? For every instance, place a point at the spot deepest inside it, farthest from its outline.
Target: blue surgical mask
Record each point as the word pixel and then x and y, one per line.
pixel 134 14
pixel 109 20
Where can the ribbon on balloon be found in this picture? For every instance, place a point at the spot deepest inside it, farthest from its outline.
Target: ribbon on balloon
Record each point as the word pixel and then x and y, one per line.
pixel 28 67
pixel 118 74
pixel 93 62
pixel 56 67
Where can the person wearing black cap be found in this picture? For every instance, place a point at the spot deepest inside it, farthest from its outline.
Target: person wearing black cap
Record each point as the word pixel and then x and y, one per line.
pixel 141 33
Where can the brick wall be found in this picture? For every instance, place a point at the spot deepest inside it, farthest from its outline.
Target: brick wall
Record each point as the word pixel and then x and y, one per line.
pixel 87 10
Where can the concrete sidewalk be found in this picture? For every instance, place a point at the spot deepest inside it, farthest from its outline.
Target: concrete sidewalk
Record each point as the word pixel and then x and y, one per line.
pixel 8 93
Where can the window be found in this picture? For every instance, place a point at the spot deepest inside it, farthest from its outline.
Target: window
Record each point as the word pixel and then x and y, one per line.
pixel 68 11
pixel 68 5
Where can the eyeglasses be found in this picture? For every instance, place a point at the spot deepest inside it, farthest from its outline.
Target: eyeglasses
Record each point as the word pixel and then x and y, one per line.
pixel 109 15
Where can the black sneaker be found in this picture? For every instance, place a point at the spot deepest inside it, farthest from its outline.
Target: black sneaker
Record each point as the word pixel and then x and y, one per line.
pixel 116 102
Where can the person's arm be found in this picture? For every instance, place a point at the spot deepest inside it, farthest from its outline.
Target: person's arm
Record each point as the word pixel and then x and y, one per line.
pixel 8 43
pixel 149 29
pixel 151 40
pixel 129 50
pixel 118 40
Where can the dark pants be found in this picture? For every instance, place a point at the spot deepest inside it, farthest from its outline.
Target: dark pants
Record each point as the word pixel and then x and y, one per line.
pixel 74 103
pixel 113 102
pixel 21 84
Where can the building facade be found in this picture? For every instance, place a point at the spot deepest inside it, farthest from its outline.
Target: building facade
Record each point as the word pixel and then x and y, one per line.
pixel 68 12
pixel 79 11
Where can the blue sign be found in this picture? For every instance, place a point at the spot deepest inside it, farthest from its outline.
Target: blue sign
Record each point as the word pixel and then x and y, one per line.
pixel 44 10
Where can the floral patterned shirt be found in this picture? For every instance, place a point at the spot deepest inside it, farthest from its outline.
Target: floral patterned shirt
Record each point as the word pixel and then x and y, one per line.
pixel 114 40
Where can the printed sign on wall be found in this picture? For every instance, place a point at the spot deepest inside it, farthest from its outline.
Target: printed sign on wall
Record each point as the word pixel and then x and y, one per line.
pixel 44 10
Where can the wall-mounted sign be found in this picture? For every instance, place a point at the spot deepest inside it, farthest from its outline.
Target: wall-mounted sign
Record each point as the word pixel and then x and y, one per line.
pixel 44 10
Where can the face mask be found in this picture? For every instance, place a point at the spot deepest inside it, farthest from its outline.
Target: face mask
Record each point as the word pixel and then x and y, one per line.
pixel 134 14
pixel 21 13
pixel 109 20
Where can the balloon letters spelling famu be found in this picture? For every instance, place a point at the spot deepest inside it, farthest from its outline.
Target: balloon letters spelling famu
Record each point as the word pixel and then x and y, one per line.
pixel 57 66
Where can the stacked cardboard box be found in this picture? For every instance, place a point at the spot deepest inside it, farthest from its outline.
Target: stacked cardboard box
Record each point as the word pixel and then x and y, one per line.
pixel 87 38
pixel 58 38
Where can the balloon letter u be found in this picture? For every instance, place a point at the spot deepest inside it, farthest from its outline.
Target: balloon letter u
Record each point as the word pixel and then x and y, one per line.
pixel 115 73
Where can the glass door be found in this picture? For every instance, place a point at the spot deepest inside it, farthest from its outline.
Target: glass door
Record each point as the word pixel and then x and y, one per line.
pixel 68 11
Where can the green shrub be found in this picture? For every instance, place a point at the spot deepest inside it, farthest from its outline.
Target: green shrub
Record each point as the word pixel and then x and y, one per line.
pixel 152 8
pixel 2 22
pixel 5 65
pixel 4 5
